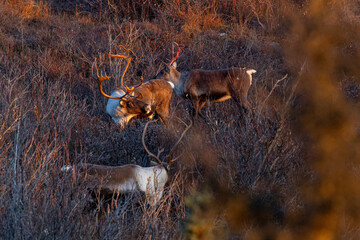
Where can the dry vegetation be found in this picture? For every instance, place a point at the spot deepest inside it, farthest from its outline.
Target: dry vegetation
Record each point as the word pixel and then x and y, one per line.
pixel 288 169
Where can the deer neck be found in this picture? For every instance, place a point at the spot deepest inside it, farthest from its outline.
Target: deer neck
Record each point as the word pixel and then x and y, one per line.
pixel 179 84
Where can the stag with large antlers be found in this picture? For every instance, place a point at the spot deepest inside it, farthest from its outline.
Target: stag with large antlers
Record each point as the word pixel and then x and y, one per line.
pixel 201 86
pixel 146 100
pixel 131 178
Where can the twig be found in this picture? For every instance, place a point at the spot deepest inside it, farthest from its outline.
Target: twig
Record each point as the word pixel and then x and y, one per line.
pixel 16 152
pixel 272 90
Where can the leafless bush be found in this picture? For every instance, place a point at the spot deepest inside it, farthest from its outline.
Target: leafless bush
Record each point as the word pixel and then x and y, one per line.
pixel 238 175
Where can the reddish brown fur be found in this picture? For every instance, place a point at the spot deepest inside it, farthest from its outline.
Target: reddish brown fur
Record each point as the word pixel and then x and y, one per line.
pixel 110 175
pixel 155 93
pixel 217 86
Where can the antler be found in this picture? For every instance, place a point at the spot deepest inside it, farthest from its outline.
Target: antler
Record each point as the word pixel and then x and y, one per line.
pixel 171 161
pixel 177 54
pixel 143 142
pixel 128 59
pixel 100 78
pixel 160 150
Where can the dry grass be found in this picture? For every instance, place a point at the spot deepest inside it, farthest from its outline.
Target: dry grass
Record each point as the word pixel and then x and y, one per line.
pixel 289 166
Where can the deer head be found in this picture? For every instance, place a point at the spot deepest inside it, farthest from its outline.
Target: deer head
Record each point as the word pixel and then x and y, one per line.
pixel 170 160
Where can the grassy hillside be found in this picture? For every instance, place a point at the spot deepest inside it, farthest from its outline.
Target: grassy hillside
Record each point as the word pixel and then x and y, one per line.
pixel 287 169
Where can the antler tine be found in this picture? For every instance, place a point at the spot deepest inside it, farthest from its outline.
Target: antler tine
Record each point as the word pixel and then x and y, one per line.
pixel 100 78
pixel 128 59
pixel 177 54
pixel 160 150
pixel 127 52
pixel 123 75
pixel 176 158
pixel 171 161
pixel 143 142
pixel 92 69
pixel 142 81
pixel 121 56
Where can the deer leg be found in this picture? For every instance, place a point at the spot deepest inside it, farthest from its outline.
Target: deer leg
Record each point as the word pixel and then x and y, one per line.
pixel 163 113
pixel 154 198
pixel 158 196
pixel 201 105
pixel 198 104
pixel 195 104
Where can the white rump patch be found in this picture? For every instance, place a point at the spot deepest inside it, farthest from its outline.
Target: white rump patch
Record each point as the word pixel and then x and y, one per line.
pixel 249 72
pixel 171 84
pixel 66 168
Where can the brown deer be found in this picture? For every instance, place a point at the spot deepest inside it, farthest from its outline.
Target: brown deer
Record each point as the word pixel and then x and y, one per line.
pixel 201 86
pixel 130 178
pixel 218 86
pixel 145 100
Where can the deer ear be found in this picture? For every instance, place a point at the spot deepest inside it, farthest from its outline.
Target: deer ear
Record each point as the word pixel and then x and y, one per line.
pixel 174 65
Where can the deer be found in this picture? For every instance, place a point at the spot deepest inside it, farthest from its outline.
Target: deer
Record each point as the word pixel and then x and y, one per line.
pixel 218 86
pixel 174 77
pixel 201 86
pixel 145 100
pixel 131 178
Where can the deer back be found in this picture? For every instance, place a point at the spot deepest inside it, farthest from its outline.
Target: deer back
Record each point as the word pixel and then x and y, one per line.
pixel 156 90
pixel 205 82
pixel 216 82
pixel 111 177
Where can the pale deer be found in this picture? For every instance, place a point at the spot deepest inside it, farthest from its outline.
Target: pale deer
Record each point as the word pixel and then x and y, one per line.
pixel 201 86
pixel 130 178
pixel 145 100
